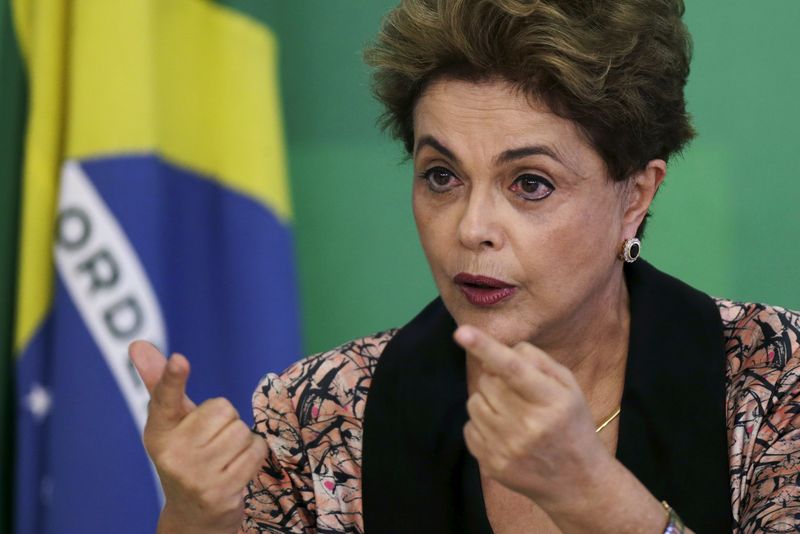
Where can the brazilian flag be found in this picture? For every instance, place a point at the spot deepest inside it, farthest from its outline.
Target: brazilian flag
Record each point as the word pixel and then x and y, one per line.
pixel 145 177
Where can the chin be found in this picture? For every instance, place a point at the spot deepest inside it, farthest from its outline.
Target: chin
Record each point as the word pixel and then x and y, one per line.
pixel 501 321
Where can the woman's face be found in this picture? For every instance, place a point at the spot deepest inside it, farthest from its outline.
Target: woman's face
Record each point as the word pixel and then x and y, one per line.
pixel 516 213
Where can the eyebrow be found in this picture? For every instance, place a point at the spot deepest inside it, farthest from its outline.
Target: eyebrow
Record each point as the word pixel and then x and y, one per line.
pixel 514 154
pixel 506 156
pixel 429 140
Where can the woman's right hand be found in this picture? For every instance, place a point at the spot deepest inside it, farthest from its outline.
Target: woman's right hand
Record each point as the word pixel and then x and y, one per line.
pixel 205 455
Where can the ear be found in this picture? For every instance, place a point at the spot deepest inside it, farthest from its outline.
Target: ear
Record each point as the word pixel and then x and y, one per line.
pixel 642 189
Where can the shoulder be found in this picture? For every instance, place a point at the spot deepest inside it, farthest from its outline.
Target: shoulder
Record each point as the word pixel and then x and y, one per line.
pixel 759 336
pixel 311 417
pixel 762 345
pixel 337 379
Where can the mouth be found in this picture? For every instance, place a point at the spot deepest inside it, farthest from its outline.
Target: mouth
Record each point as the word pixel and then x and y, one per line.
pixel 483 291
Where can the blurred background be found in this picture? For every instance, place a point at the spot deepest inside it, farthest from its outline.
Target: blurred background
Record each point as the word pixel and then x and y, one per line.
pixel 727 219
pixel 316 241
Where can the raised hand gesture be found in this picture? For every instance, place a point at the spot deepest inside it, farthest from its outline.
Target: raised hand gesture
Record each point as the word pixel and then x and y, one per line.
pixel 531 430
pixel 205 455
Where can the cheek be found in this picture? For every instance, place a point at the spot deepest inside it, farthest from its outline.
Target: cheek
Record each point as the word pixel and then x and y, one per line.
pixel 422 218
pixel 593 231
pixel 437 227
pixel 429 227
pixel 417 207
pixel 594 227
pixel 576 240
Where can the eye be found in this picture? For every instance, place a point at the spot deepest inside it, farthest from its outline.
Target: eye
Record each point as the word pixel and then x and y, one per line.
pixel 439 179
pixel 532 187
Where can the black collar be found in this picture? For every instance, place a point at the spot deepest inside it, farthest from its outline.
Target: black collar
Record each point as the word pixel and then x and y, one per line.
pixel 418 476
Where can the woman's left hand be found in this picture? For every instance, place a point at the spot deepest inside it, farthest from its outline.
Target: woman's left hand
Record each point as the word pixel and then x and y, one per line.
pixel 530 427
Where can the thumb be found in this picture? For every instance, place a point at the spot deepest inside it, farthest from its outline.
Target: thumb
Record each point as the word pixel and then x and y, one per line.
pixel 149 362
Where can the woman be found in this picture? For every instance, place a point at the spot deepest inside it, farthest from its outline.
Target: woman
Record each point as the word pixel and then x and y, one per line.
pixel 557 384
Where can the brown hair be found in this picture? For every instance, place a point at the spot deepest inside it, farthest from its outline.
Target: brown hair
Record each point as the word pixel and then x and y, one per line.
pixel 617 68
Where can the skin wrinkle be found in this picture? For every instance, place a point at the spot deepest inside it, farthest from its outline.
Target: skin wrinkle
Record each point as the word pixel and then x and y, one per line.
pixel 567 159
pixel 476 128
pixel 560 251
pixel 616 68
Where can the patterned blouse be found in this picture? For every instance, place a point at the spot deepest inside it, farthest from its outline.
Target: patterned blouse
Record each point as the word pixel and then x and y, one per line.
pixel 312 417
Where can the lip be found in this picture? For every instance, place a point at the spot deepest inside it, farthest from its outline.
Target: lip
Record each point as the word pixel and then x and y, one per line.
pixel 483 291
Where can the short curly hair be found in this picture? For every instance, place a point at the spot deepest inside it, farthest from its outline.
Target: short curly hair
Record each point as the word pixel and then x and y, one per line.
pixel 617 68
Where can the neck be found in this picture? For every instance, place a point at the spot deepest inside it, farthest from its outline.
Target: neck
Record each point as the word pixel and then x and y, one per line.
pixel 602 346
pixel 597 356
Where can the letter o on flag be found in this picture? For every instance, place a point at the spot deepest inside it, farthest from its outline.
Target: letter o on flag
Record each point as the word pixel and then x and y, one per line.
pixel 74 228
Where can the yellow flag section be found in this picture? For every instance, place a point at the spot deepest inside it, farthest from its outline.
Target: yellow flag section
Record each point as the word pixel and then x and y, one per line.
pixel 142 76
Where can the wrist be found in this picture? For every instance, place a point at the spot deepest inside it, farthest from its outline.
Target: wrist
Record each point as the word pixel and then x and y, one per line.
pixel 171 521
pixel 586 490
pixel 611 501
pixel 674 523
pixel 168 522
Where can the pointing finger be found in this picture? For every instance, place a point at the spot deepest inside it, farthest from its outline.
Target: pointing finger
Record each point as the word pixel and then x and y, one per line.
pixel 517 369
pixel 495 357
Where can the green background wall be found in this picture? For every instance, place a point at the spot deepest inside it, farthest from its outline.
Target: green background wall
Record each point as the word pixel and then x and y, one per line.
pixel 727 220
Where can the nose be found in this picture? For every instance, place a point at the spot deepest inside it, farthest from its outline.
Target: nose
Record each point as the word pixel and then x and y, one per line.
pixel 479 228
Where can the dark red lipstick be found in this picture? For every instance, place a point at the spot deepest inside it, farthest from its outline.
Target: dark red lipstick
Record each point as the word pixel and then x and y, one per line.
pixel 483 291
